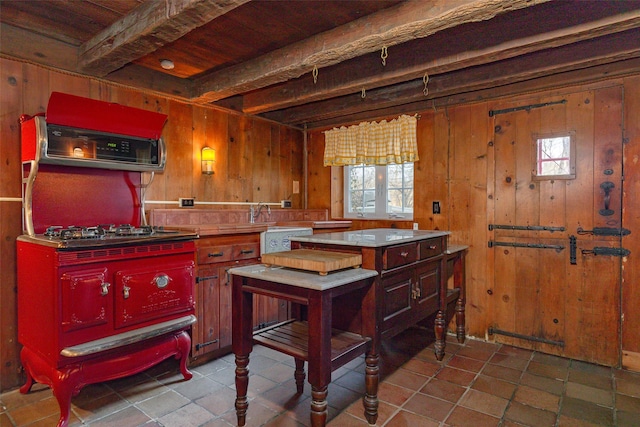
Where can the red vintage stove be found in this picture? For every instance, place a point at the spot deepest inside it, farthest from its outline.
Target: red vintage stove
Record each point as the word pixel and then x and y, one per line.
pixel 101 295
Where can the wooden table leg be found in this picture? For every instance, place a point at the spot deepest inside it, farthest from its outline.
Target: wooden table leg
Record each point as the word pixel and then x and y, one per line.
pixel 319 318
pixel 370 399
pixel 439 327
pixel 242 384
pixel 299 376
pixel 459 281
pixel 242 344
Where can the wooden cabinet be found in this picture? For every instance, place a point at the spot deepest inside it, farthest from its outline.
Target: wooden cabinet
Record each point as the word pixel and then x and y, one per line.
pixel 215 255
pixel 211 334
pixel 412 281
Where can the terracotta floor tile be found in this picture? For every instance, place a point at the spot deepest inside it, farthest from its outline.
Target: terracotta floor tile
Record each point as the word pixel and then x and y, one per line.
pixel 464 417
pixel 509 361
pixel 130 416
pixel 456 376
pixel 422 367
pixel 429 407
pixel 500 372
pixel 470 387
pixel 407 379
pixel 494 386
pixel 547 370
pixel 603 382
pixel 406 419
pixel 587 411
pixel 627 419
pixel 550 385
pixel 589 394
pixel 564 421
pixel 537 398
pixel 190 415
pixel 520 353
pixel 465 363
pixel 529 415
pixel 549 359
pixel 443 390
pixel 393 394
pixel 385 411
pixel 485 403
pixel 481 354
pixel 628 403
pixel 628 386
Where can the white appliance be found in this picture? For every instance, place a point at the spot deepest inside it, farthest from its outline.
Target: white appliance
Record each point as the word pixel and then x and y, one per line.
pixel 277 238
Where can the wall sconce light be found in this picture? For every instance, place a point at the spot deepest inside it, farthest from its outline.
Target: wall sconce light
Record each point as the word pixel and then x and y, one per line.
pixel 208 159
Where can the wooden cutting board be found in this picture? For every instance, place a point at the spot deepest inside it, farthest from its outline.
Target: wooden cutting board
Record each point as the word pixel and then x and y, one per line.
pixel 313 260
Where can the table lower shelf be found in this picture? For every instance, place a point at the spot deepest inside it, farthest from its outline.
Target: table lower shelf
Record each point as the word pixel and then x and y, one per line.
pixel 292 338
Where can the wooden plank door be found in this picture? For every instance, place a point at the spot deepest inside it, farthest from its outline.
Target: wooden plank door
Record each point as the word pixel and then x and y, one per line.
pixel 541 299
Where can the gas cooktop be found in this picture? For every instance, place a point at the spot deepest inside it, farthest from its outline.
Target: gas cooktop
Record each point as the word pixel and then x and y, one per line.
pixel 73 237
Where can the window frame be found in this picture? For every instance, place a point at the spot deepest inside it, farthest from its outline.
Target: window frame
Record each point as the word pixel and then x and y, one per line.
pixel 381 193
pixel 572 155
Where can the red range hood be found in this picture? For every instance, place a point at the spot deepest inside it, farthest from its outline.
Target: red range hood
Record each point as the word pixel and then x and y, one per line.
pixel 84 113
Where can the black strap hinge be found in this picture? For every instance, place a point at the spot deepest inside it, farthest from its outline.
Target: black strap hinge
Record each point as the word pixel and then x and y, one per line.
pixel 605 231
pixel 621 252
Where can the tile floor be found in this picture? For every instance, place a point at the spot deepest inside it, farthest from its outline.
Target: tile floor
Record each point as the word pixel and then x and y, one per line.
pixel 478 384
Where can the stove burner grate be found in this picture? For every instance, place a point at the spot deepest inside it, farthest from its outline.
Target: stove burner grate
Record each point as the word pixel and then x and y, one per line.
pixel 99 232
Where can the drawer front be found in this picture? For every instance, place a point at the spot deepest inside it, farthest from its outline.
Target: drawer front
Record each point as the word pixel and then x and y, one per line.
pixel 431 247
pixel 246 251
pixel 396 256
pixel 211 254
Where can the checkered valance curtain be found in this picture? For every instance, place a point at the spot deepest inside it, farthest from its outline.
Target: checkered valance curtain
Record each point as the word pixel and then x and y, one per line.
pixel 372 143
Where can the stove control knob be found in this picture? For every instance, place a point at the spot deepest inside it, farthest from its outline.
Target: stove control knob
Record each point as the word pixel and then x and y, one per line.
pixel 104 288
pixel 162 281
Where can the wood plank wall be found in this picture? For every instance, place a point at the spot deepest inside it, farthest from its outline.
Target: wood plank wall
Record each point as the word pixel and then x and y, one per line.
pixel 256 161
pixel 457 167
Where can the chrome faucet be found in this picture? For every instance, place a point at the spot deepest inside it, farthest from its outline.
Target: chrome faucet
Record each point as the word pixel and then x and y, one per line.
pixel 253 213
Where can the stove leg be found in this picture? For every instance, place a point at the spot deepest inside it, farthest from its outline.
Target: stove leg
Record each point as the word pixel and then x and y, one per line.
pixel 184 345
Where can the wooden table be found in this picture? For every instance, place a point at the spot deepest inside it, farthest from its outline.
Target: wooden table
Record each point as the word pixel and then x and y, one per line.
pixel 311 337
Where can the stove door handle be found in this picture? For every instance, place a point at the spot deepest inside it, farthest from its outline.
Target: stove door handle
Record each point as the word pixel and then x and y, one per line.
pixel 125 291
pixel 162 281
pixel 104 288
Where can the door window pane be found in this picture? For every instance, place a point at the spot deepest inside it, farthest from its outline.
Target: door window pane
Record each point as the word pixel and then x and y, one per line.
pixel 555 156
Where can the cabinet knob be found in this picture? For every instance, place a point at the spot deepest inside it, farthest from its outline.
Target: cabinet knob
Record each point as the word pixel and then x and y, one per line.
pixel 404 254
pixel 215 254
pixel 432 247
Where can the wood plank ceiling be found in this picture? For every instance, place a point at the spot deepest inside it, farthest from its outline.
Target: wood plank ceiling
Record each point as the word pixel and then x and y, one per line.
pixel 259 56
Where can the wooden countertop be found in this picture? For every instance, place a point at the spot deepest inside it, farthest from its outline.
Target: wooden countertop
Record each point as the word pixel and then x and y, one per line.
pixel 206 230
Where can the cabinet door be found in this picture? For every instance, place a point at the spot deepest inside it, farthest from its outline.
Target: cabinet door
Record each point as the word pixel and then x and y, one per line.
pixel 427 289
pixel 86 299
pixel 206 331
pixel 397 299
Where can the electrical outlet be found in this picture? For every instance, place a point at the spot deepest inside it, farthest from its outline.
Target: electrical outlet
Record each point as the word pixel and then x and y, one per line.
pixel 285 203
pixel 187 202
pixel 415 225
pixel 436 207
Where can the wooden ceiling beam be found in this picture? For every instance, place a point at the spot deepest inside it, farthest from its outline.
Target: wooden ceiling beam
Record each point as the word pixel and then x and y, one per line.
pixel 417 59
pixel 148 27
pixel 561 80
pixel 572 57
pixel 408 21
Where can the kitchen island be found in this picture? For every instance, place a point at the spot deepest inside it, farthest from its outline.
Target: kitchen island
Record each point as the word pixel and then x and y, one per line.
pixel 411 282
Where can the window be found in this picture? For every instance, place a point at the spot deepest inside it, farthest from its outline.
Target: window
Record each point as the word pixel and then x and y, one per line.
pixel 555 156
pixel 380 192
